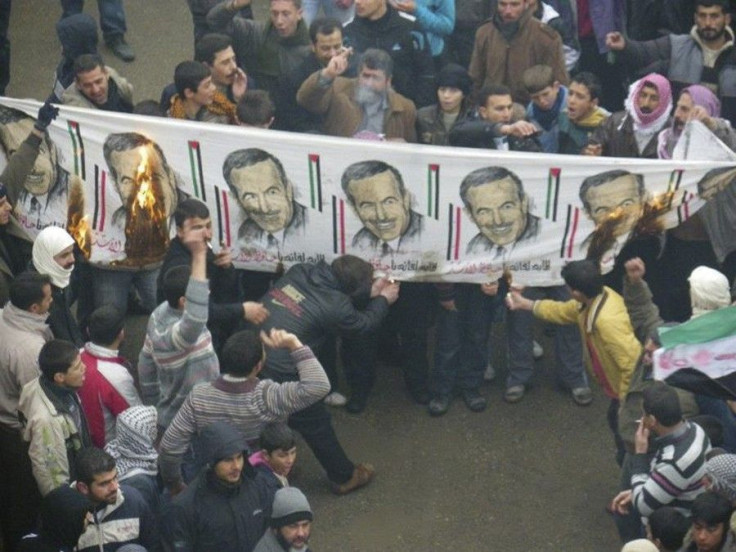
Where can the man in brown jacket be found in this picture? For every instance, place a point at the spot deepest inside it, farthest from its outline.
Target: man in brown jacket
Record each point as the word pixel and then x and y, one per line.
pixel 509 44
pixel 366 104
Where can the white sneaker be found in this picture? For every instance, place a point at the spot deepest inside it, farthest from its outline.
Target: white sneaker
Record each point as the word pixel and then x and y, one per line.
pixel 490 373
pixel 537 351
pixel 335 399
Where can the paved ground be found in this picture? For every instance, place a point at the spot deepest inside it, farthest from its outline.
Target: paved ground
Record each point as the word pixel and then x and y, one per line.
pixel 533 477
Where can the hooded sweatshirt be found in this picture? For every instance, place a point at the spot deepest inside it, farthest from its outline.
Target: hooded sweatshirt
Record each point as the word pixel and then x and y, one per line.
pixel 78 35
pixel 62 515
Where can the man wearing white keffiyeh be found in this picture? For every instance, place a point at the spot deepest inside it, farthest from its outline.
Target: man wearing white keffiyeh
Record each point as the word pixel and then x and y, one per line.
pixel 133 449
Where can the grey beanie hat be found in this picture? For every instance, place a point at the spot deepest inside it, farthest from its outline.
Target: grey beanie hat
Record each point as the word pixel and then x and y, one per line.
pixel 289 506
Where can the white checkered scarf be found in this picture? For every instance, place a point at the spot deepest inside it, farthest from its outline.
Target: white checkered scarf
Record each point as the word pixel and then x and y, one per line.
pixel 721 470
pixel 132 448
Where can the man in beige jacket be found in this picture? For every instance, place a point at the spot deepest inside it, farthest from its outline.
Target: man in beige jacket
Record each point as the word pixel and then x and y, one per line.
pixel 366 104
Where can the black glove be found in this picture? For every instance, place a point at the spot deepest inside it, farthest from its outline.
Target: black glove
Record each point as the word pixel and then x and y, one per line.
pixel 46 114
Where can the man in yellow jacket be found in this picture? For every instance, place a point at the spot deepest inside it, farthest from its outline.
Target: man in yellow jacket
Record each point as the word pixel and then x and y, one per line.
pixel 608 337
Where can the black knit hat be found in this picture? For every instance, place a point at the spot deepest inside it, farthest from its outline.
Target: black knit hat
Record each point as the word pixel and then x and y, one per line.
pixel 289 506
pixel 454 76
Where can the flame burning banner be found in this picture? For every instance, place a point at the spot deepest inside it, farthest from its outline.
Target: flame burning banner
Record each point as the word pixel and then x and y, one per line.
pixel 288 198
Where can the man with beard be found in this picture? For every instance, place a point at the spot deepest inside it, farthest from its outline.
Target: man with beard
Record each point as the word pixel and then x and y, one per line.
pixel 120 514
pixel 226 507
pixel 633 132
pixel 705 56
pixel 509 44
pixel 696 103
pixel 96 86
pixel 291 523
pixel 363 104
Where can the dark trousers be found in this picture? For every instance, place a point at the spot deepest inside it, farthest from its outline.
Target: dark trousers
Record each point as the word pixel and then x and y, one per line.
pixel 461 355
pixel 20 497
pixel 315 426
pixel 112 15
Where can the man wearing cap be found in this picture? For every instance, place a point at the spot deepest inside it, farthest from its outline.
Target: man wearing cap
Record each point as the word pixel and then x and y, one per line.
pixel 225 508
pixel 291 523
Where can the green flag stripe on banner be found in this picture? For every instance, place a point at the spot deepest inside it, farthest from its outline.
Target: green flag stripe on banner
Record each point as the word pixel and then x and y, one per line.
pixel 708 327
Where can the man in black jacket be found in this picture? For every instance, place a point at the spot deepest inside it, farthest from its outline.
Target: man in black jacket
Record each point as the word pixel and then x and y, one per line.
pixel 378 25
pixel 314 301
pixel 226 508
pixel 491 128
pixel 326 36
pixel 226 310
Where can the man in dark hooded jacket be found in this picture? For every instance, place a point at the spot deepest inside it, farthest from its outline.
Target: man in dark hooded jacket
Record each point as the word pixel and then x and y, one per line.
pixel 226 508
pixel 78 35
pixel 314 301
pixel 64 515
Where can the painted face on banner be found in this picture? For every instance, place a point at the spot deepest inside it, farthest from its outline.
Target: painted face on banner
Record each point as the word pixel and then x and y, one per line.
pixel 44 172
pixel 266 199
pixel 124 166
pixel 710 185
pixel 617 197
pixel 380 205
pixel 498 211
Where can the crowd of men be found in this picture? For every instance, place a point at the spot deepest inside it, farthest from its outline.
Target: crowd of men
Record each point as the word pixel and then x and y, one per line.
pixel 192 448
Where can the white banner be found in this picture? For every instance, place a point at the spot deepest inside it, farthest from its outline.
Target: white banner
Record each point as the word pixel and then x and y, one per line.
pixel 415 212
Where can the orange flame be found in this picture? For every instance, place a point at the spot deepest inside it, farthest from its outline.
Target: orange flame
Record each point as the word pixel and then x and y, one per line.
pixel 80 229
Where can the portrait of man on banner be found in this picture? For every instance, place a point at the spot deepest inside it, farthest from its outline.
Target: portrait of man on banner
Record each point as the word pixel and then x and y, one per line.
pixel 258 181
pixel 376 192
pixel 39 194
pixel 714 181
pixel 614 201
pixel 148 190
pixel 495 200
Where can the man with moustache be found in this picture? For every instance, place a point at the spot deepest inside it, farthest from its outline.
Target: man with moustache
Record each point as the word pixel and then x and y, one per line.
pixel 326 35
pixel 120 515
pixel 377 193
pixel 705 56
pixel 215 51
pixel 259 183
pixel 633 131
pixel 696 103
pixel 494 198
pixel 291 523
pixel 268 50
pixel 367 103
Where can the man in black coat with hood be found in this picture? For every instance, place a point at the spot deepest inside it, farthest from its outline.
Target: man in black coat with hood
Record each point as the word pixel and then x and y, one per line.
pixel 226 508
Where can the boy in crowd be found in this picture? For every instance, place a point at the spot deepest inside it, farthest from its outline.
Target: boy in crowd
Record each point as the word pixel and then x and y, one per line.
pixel 582 115
pixel 277 455
pixel 548 100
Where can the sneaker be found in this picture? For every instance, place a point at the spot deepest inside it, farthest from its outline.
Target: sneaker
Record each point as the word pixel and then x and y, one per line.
pixel 362 475
pixel 582 396
pixel 356 404
pixel 490 373
pixel 514 393
pixel 439 405
pixel 537 350
pixel 335 399
pixel 120 48
pixel 474 401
